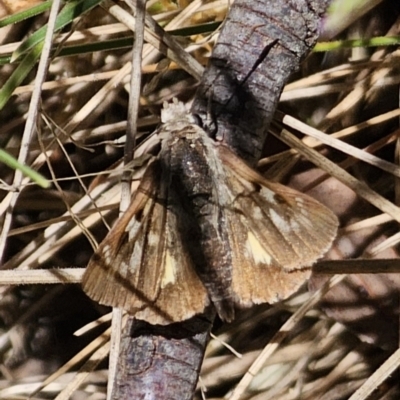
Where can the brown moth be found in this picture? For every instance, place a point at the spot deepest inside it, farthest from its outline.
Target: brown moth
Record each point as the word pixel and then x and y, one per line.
pixel 204 227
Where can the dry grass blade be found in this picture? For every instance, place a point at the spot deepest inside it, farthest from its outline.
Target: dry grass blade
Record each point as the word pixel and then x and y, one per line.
pixel 382 373
pixel 280 336
pixel 339 145
pixel 341 134
pixel 173 50
pixel 358 266
pixel 95 359
pixel 373 221
pixel 100 344
pixel 31 121
pixel 44 276
pixel 334 170
pixel 130 144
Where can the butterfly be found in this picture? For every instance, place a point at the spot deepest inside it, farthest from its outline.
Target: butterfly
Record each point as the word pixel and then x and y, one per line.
pixel 204 228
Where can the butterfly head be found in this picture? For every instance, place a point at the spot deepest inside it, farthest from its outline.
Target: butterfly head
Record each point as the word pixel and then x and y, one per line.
pixel 178 120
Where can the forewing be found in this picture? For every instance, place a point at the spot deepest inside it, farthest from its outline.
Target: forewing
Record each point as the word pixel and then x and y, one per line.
pixel 275 233
pixel 141 266
pixel 180 295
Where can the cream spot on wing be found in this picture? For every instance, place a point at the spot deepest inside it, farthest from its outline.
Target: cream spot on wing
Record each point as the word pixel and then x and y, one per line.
pixel 305 212
pixel 169 270
pixel 255 248
pixel 279 222
pixel 107 254
pixel 123 269
pixel 152 239
pixel 269 195
pixel 133 228
pixel 294 225
pixel 300 203
pixel 257 214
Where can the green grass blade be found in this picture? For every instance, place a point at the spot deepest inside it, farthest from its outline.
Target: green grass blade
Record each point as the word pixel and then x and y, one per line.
pixel 29 172
pixel 345 44
pixel 19 74
pixel 71 10
pixel 31 12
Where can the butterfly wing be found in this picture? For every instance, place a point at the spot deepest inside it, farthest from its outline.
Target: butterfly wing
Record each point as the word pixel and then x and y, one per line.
pixel 256 276
pixel 275 233
pixel 142 266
